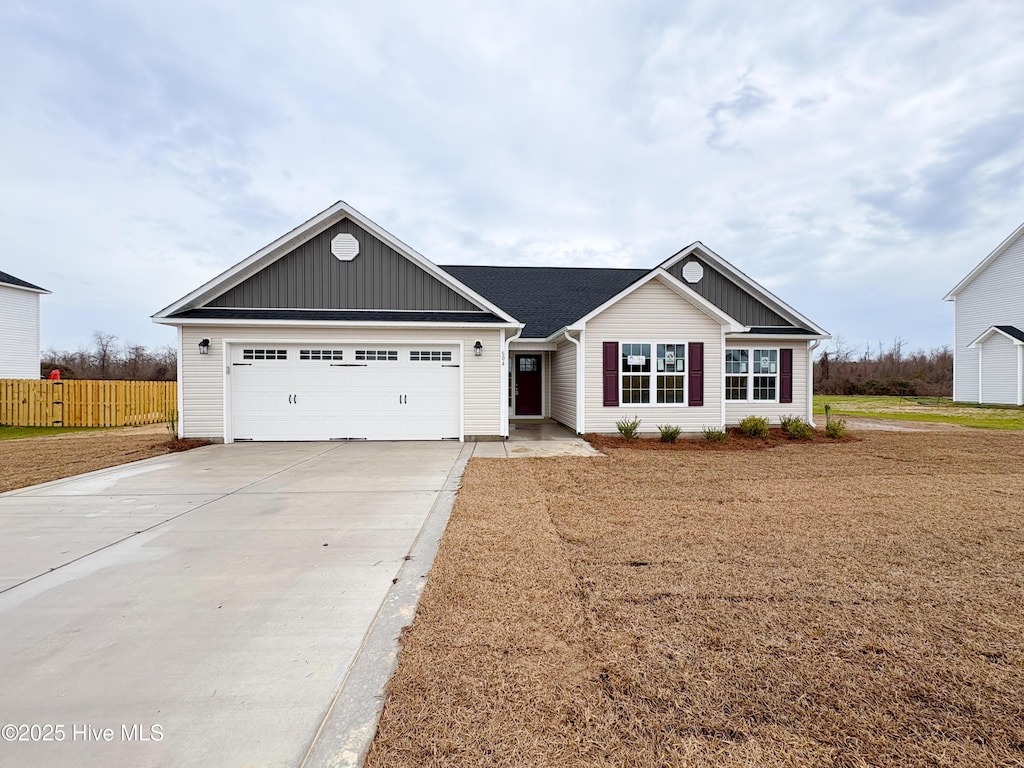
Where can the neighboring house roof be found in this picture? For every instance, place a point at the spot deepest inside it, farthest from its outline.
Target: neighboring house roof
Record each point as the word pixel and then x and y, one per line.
pixel 999 251
pixel 17 282
pixel 370 316
pixel 546 298
pixel 1010 331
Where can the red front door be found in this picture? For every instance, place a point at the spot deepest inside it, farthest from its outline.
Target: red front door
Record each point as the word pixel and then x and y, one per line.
pixel 528 387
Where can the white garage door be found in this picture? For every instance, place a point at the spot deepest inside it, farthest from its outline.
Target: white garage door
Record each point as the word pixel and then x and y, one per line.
pixel 344 391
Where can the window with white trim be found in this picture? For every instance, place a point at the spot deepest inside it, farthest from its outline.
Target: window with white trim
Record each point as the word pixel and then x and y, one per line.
pixel 646 380
pixel 752 375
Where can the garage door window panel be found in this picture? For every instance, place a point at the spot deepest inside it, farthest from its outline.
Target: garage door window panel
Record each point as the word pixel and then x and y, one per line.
pixel 377 355
pixel 321 354
pixel 264 354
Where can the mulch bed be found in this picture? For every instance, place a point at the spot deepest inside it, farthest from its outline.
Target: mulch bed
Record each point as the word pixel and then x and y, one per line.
pixel 853 607
pixel 736 441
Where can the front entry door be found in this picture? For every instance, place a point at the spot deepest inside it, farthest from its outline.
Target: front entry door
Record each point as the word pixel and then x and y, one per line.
pixel 528 386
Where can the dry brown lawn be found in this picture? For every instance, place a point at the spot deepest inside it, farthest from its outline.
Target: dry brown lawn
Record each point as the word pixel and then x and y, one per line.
pixel 41 459
pixel 852 604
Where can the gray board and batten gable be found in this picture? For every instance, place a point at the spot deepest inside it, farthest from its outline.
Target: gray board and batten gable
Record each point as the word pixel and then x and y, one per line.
pixel 546 298
pixel 310 277
pixel 730 297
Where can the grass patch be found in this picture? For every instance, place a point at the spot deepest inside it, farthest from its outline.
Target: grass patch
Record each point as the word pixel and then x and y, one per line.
pixel 22 433
pixel 851 605
pixel 923 409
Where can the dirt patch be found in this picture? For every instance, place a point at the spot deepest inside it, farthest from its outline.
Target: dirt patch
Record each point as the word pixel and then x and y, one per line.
pixel 735 442
pixel 852 605
pixel 41 459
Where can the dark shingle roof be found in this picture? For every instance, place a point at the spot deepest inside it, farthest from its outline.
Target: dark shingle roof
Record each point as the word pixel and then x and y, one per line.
pixel 377 316
pixel 7 279
pixel 546 298
pixel 781 331
pixel 1011 330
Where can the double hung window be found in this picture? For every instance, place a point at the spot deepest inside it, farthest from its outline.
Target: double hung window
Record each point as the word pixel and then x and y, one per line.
pixel 752 374
pixel 652 373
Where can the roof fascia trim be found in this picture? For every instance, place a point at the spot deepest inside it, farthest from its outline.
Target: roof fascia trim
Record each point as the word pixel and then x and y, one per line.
pixel 339 323
pixel 41 291
pixel 670 282
pixel 988 333
pixel 983 264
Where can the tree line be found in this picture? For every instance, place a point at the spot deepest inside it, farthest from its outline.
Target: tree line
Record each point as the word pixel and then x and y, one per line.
pixel 108 358
pixel 883 371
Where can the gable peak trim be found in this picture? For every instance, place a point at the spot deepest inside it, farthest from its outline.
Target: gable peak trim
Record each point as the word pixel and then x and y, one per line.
pixel 984 263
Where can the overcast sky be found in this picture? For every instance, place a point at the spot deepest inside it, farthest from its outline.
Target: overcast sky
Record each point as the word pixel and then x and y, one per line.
pixel 858 159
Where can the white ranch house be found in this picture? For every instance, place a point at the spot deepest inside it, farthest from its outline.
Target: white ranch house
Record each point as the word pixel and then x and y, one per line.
pixel 339 330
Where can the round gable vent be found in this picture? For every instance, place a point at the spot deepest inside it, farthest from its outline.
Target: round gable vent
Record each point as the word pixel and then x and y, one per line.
pixel 693 272
pixel 345 247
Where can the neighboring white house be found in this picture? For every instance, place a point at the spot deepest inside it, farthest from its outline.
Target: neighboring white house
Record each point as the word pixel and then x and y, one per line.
pixel 19 328
pixel 988 316
pixel 338 330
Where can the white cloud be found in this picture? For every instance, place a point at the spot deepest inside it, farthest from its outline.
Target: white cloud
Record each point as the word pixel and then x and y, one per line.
pixel 856 159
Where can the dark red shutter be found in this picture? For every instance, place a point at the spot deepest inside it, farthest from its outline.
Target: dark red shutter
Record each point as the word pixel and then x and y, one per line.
pixel 611 373
pixel 696 368
pixel 785 375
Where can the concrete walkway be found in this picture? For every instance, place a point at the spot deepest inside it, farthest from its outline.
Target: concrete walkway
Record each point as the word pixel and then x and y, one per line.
pixel 536 438
pixel 208 608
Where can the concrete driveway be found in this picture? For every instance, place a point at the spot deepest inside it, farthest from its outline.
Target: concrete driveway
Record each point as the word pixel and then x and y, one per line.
pixel 204 608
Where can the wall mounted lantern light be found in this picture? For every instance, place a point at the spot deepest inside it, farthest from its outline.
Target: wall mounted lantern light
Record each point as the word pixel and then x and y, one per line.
pixel 478 348
pixel 204 347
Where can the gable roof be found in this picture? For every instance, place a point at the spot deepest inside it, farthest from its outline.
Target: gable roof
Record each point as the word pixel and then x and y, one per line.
pixel 546 298
pixel 288 242
pixel 749 285
pixel 1011 332
pixel 17 282
pixel 999 251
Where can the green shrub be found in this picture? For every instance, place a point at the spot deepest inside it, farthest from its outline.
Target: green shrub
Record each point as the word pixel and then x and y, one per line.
pixel 796 428
pixel 715 435
pixel 835 428
pixel 628 428
pixel 669 432
pixel 755 426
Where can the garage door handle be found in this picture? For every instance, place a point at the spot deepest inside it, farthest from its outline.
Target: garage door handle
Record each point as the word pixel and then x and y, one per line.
pixel 450 365
pixel 348 365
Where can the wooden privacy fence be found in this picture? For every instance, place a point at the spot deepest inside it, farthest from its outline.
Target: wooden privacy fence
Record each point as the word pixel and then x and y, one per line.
pixel 86 403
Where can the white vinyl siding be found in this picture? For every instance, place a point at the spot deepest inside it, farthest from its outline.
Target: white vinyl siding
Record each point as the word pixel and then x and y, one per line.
pixel 653 311
pixel 563 384
pixel 994 297
pixel 202 378
pixel 999 371
pixel 735 411
pixel 19 333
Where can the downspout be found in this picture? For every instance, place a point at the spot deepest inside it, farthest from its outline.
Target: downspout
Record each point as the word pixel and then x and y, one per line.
pixel 810 380
pixel 1020 374
pixel 506 362
pixel 579 385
